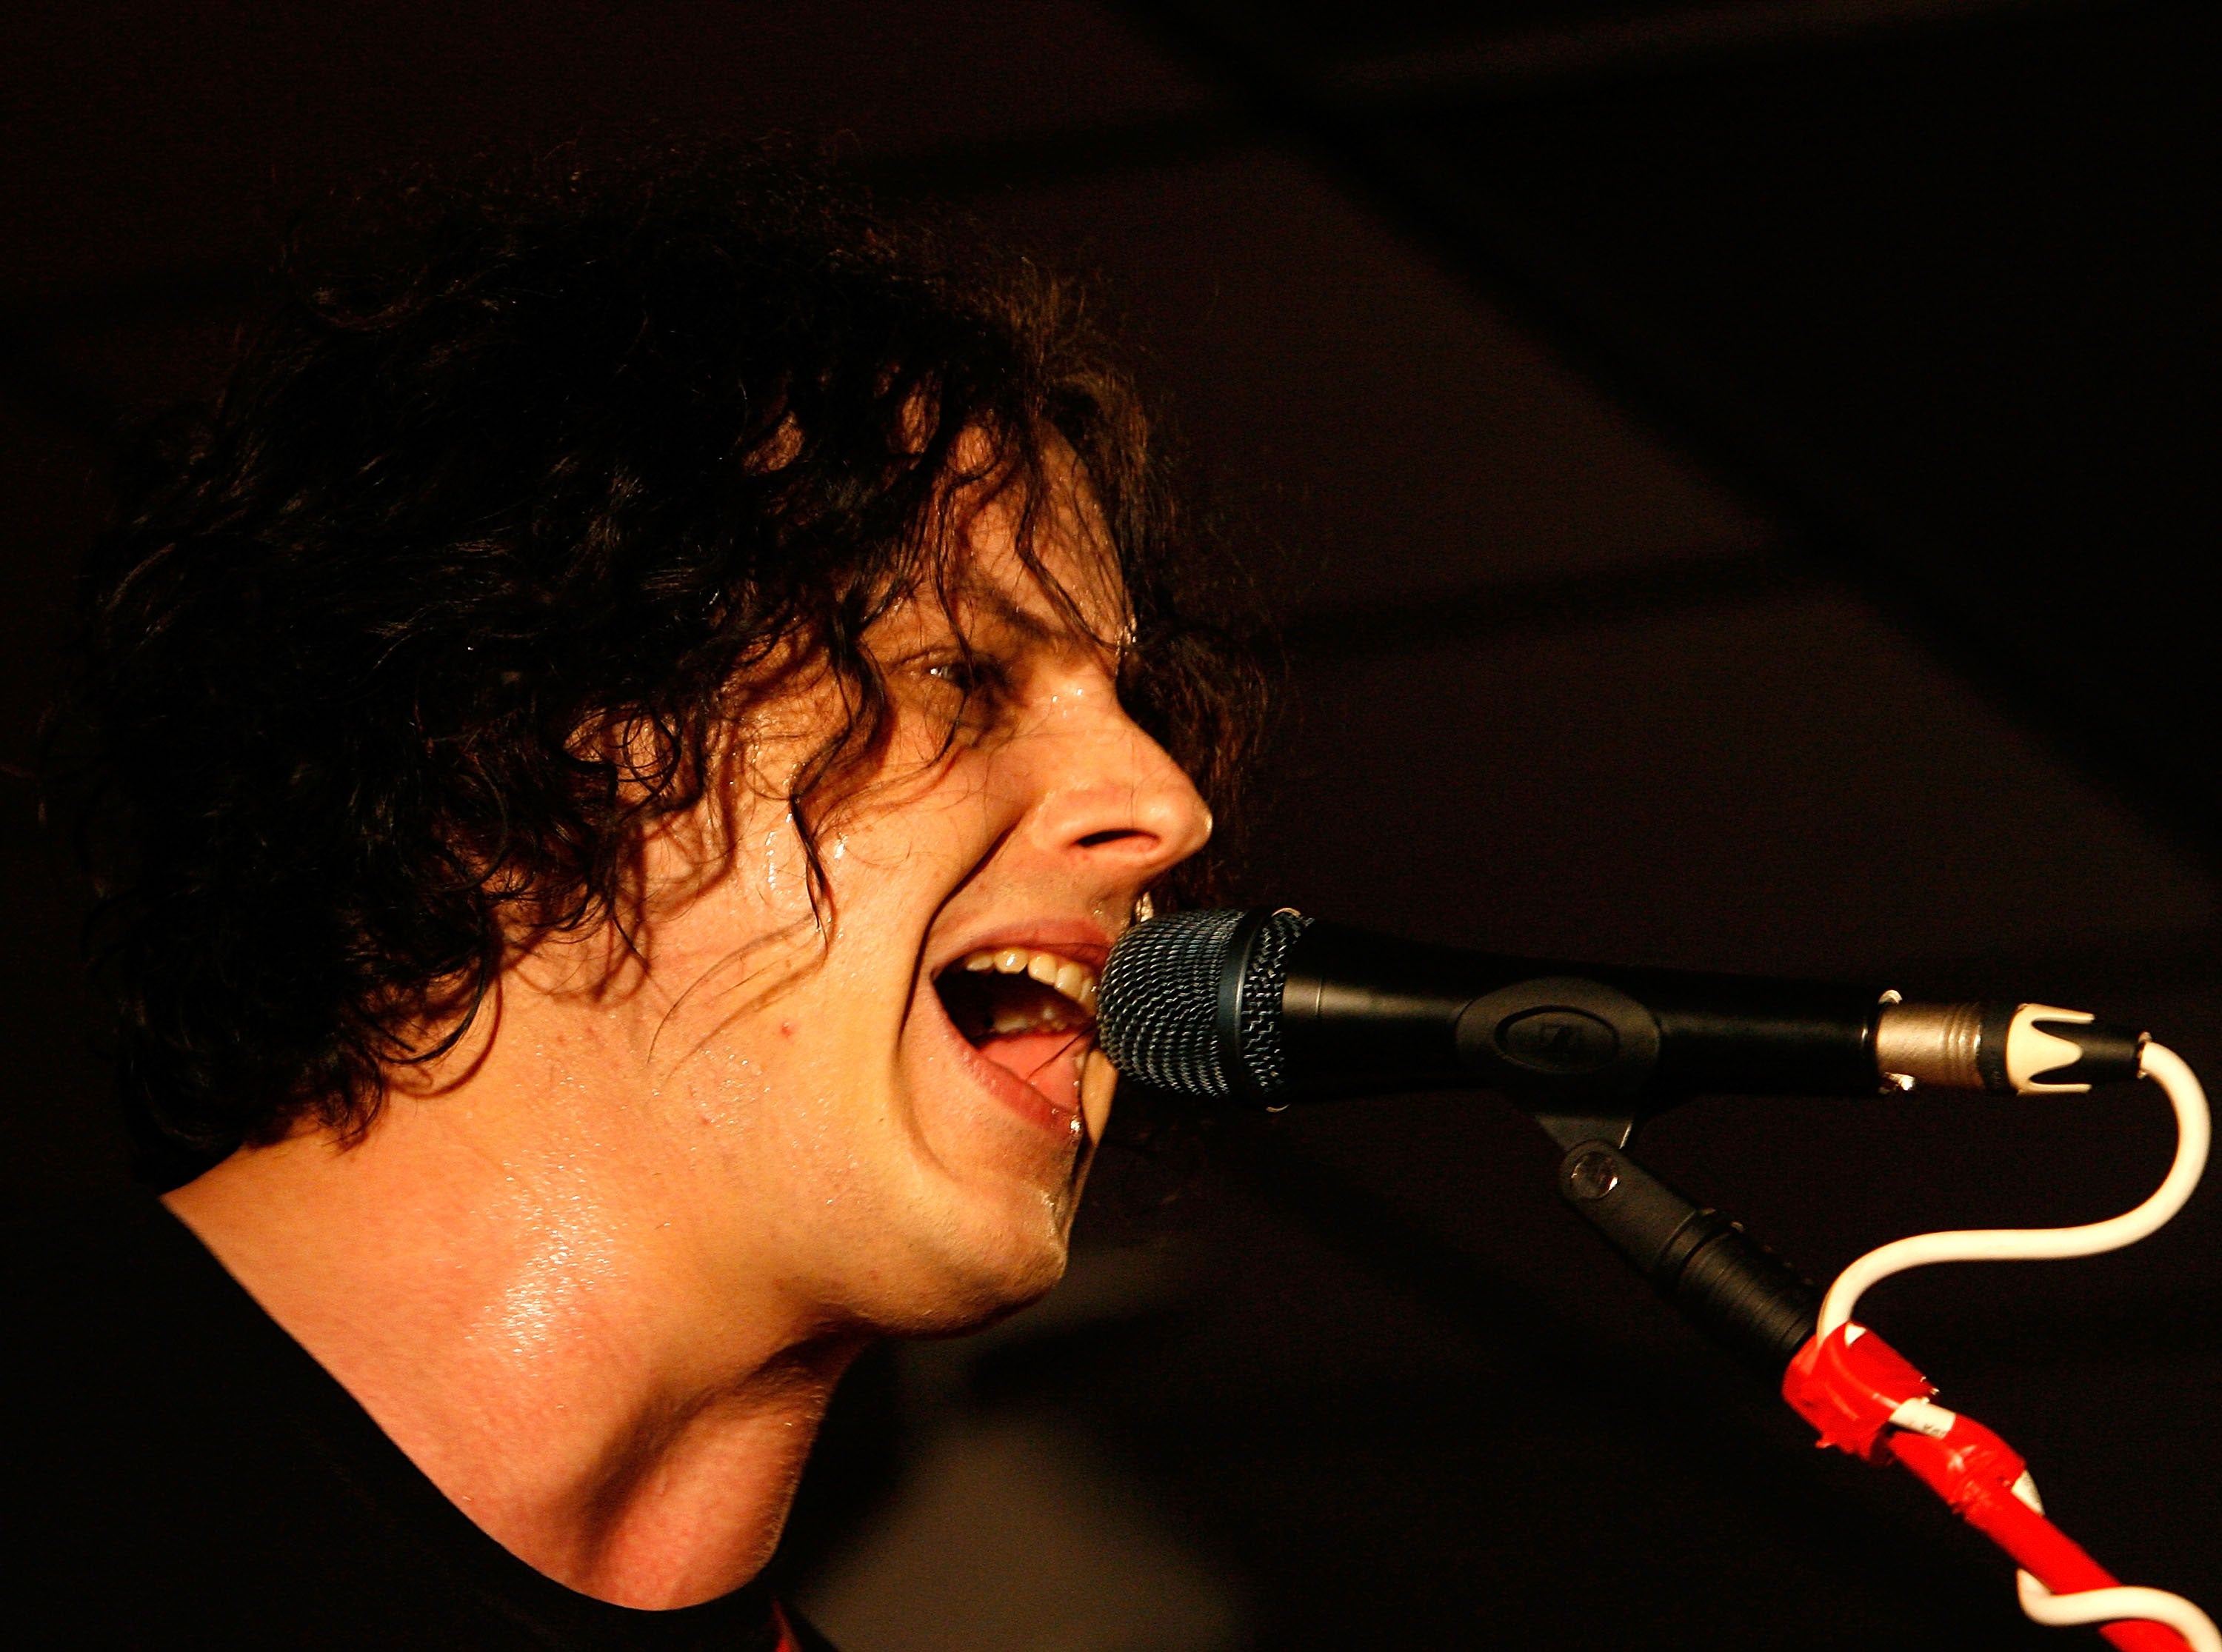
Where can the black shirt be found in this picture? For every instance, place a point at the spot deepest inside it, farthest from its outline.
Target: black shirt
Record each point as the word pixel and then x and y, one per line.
pixel 179 1472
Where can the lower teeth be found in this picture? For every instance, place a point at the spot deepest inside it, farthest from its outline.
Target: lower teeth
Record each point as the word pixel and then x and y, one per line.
pixel 1005 1024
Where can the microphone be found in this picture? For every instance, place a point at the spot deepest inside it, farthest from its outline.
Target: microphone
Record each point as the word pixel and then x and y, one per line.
pixel 1267 1006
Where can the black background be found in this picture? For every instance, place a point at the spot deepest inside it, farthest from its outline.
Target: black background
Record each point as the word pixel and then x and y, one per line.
pixel 1735 479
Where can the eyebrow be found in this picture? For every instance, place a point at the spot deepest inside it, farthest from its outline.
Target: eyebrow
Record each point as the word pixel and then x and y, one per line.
pixel 999 605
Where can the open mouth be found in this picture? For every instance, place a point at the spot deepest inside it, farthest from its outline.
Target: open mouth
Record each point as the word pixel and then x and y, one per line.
pixel 1023 1009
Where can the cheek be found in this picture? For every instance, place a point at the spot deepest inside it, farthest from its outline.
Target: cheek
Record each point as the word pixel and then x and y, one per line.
pixel 778 1120
pixel 916 838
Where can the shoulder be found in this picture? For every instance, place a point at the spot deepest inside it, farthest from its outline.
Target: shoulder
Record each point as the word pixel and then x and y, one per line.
pixel 122 1322
pixel 122 1334
pixel 169 1470
pixel 88 1271
pixel 133 1365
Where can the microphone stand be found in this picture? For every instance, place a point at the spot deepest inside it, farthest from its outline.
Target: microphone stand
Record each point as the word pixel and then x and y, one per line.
pixel 1721 1279
pixel 1861 1394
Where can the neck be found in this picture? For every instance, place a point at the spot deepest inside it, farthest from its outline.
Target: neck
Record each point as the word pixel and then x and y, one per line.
pixel 625 1415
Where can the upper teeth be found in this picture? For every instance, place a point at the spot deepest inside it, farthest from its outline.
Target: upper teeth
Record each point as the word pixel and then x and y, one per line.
pixel 1076 982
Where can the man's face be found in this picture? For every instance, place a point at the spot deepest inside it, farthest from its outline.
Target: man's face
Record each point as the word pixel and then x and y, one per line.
pixel 893 1120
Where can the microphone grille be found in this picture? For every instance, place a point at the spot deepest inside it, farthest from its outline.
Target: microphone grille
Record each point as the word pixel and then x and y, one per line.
pixel 1158 1005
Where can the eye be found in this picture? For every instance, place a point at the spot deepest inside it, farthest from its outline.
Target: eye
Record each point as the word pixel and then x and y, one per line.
pixel 980 686
pixel 972 675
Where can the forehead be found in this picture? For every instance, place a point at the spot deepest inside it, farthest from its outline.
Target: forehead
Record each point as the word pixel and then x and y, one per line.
pixel 1039 563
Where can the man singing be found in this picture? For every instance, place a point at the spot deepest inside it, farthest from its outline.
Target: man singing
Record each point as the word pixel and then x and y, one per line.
pixel 622 744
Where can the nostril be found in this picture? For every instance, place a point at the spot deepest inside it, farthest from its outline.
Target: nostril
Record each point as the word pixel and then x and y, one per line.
pixel 1097 840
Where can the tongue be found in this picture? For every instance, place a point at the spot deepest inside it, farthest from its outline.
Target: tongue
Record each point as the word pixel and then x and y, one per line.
pixel 1048 1060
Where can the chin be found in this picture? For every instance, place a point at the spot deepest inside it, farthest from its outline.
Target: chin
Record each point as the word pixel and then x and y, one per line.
pixel 980 1206
pixel 973 1272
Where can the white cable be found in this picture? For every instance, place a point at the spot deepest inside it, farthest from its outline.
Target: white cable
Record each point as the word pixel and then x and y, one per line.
pixel 2108 1605
pixel 2113 1605
pixel 2165 1067
pixel 2193 1129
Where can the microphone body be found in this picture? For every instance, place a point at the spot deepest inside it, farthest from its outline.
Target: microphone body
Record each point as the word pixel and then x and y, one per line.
pixel 1362 1013
pixel 1267 1006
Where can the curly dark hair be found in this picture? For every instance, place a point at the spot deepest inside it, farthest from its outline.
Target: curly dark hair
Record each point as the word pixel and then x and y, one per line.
pixel 556 451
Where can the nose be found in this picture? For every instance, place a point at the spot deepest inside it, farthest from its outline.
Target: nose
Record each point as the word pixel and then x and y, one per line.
pixel 1112 797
